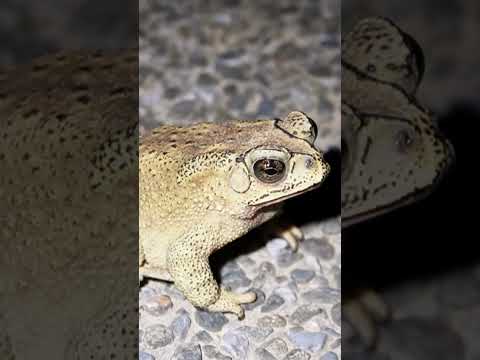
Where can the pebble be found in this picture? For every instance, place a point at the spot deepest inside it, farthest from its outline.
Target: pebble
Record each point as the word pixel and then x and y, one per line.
pixel 188 352
pixel 289 258
pixel 157 336
pixel 302 276
pixel 212 353
pixel 273 302
pixel 235 279
pixel 206 80
pixel 236 344
pixel 202 336
pixel 336 314
pixel 287 294
pixel 181 324
pixel 266 268
pixel 211 321
pixel 307 340
pixel 329 356
pixel 258 301
pixel 275 321
pixel 304 313
pixel 324 295
pixel 320 247
pixel 256 334
pixel 232 72
pixel 297 354
pixel 145 356
pixel 277 247
pixel 276 346
pixel 157 305
pixel 332 226
pixel 182 109
pixel 262 354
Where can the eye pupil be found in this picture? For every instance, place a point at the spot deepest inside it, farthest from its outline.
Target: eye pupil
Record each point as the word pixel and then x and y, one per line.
pixel 269 170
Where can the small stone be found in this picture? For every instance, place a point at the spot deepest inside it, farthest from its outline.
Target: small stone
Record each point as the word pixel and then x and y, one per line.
pixel 171 92
pixel 181 324
pixel 320 70
pixel 255 334
pixel 273 302
pixel 198 59
pixel 235 279
pixel 182 109
pixel 277 247
pixel 211 321
pixel 259 280
pixel 287 294
pixel 265 108
pixel 188 352
pixel 145 356
pixel 206 80
pixel 302 276
pixel 239 72
pixel 287 259
pixel 277 347
pixel 304 313
pixel 262 354
pixel 306 340
pixel 297 354
pixel 246 261
pixel 266 268
pixel 320 247
pixel 258 301
pixel 329 356
pixel 324 295
pixel 202 336
pixel 275 321
pixel 212 353
pixel 228 267
pixel 157 305
pixel 336 314
pixel 332 226
pixel 157 336
pixel 236 344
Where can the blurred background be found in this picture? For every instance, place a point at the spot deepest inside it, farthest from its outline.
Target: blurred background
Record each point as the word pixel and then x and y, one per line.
pixel 423 259
pixel 33 28
pixel 225 60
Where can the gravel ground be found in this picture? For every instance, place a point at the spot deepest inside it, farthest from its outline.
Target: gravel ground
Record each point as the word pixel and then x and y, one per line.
pixel 245 60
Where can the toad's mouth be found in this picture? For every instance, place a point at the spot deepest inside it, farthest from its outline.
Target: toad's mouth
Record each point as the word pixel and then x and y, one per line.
pixel 285 197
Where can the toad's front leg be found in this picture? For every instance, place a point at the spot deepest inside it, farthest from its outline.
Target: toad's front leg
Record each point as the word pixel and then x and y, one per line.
pixel 188 265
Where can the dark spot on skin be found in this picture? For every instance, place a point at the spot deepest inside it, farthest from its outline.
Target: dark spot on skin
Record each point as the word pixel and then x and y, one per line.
pixel 84 99
pixel 40 67
pixel 30 113
pixel 80 87
pixel 119 91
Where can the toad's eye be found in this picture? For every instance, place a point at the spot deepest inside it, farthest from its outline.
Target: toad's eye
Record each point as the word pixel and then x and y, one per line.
pixel 403 140
pixel 269 170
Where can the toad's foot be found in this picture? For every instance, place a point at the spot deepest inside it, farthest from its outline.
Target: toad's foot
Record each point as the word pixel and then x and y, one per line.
pixel 364 313
pixel 291 233
pixel 230 302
